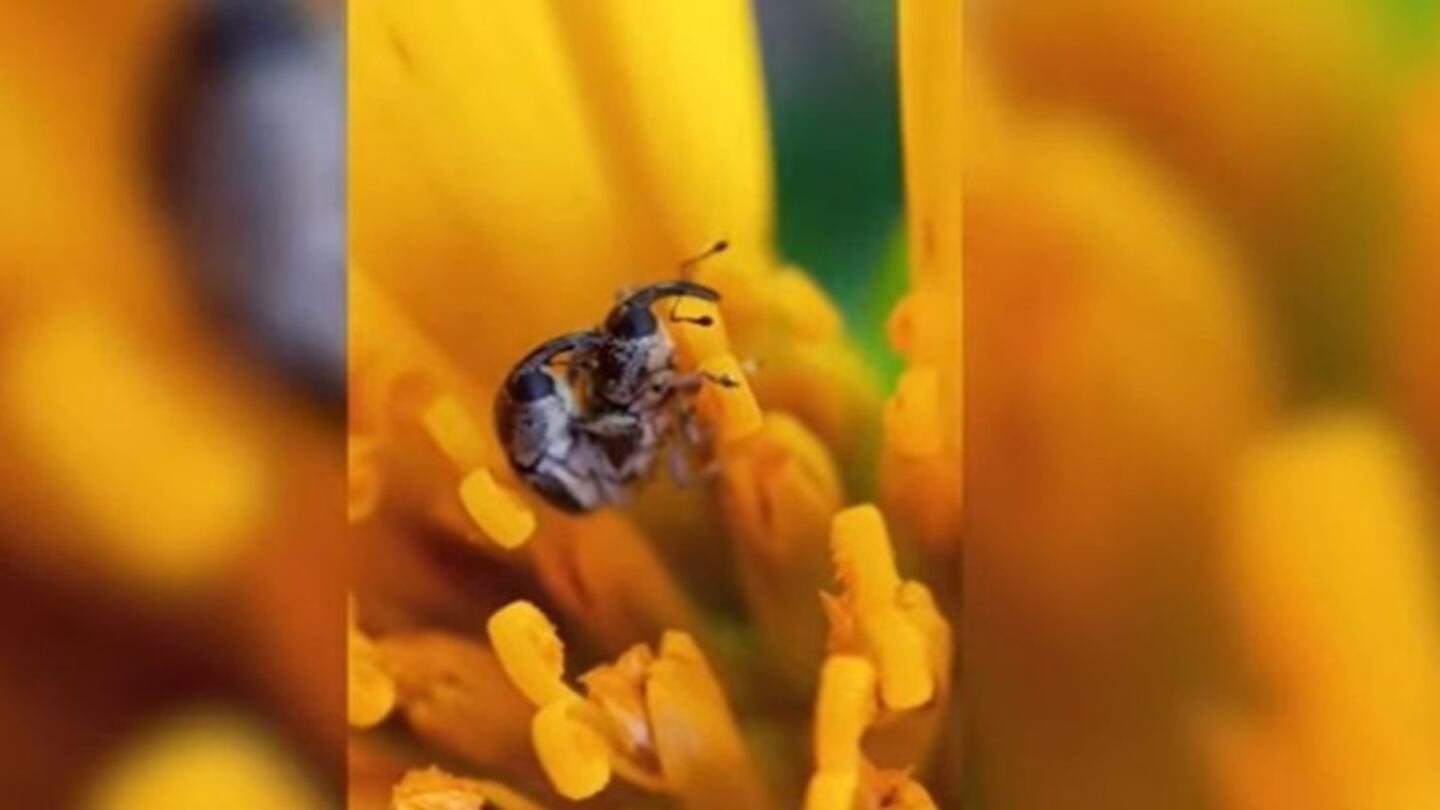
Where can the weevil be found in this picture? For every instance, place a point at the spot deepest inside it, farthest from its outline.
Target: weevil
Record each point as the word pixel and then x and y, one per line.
pixel 583 439
pixel 540 424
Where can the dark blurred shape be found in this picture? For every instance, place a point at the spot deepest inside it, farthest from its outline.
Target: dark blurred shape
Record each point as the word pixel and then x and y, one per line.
pixel 256 169
pixel 171 590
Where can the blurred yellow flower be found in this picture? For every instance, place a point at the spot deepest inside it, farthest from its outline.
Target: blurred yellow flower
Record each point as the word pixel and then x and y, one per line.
pixel 1329 562
pixel 921 469
pixel 370 689
pixel 203 759
pixel 1412 352
pixel 1116 368
pixel 1260 105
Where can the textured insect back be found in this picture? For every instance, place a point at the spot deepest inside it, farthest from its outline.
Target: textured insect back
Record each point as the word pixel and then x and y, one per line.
pixel 537 419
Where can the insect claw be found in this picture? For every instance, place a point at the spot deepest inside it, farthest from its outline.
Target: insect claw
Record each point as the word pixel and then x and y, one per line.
pixel 722 380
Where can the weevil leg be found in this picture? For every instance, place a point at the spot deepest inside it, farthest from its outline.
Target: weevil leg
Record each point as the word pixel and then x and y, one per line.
pixel 690 428
pixel 722 380
pixel 679 465
pixel 611 425
pixel 691 382
pixel 611 488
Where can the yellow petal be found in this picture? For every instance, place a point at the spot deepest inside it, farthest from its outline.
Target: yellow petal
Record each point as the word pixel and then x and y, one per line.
pixel 910 739
pixel 833 790
pixel 504 798
pixel 1206 102
pixel 926 494
pixel 731 409
pixel 913 421
pixel 702 754
pixel 454 432
pixel 572 753
pixel 498 511
pixel 530 651
pixel 618 690
pixel 921 470
pixel 864 560
pixel 1254 767
pixel 895 790
pixel 674 94
pixel 370 690
pixel 779 490
pixel 1107 402
pixel 844 709
pixel 903 656
pixel 801 307
pixel 160 438
pixel 364 483
pixel 902 643
pixel 419 416
pixel 608 579
pixel 930 92
pixel 1412 352
pixel 457 699
pixel 476 185
pixel 1330 560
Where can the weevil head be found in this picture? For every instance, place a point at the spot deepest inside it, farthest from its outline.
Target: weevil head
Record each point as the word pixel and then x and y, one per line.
pixel 621 368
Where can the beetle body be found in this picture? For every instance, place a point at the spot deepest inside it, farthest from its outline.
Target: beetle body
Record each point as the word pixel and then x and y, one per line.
pixel 539 423
pixel 580 441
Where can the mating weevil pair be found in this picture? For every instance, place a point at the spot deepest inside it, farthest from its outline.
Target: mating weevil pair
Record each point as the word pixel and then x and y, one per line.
pixel 581 439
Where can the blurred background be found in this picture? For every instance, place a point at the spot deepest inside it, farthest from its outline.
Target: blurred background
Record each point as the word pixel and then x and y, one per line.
pixel 171 352
pixel 1200 560
pixel 1203 390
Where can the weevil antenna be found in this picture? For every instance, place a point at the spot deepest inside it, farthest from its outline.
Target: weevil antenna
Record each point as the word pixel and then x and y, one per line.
pixel 554 347
pixel 687 267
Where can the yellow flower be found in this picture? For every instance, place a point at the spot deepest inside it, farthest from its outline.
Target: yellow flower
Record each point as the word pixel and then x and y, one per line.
pixel 1116 368
pixel 110 318
pixel 202 759
pixel 659 720
pixel 512 167
pixel 1329 559
pixel 1206 100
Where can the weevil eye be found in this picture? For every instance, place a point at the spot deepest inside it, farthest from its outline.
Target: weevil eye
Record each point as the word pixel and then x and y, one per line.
pixel 530 385
pixel 631 322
